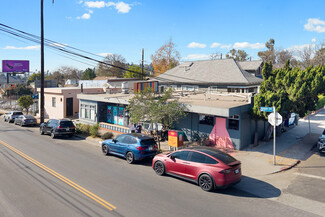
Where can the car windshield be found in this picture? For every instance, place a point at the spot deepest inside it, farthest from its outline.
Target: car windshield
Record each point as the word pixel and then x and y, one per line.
pixel 148 142
pixel 66 124
pixel 17 113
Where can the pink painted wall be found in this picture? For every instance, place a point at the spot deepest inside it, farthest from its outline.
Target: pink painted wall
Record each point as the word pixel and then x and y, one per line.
pixel 219 135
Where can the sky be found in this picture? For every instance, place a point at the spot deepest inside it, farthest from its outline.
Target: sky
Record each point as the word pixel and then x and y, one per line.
pixel 198 28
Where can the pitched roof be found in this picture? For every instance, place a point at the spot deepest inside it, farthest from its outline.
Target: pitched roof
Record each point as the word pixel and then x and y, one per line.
pixel 104 78
pixel 211 72
pixel 250 65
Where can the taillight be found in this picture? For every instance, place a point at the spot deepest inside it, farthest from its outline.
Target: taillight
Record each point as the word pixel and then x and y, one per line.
pixel 59 127
pixel 25 119
pixel 225 171
pixel 141 148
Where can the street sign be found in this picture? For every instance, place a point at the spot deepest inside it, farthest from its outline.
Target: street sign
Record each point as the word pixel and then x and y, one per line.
pixel 278 119
pixel 266 109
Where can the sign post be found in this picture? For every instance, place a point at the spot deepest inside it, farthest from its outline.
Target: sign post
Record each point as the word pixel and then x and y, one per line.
pixel 275 119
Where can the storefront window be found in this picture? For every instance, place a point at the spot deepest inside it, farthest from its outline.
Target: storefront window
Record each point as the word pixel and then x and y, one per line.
pixel 206 120
pixel 233 122
pixel 88 112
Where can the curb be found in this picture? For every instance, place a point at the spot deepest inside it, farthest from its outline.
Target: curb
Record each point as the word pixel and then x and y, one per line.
pixel 287 168
pixel 313 113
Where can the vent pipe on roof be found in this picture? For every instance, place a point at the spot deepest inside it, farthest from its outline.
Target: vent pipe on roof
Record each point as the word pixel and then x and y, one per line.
pixel 221 56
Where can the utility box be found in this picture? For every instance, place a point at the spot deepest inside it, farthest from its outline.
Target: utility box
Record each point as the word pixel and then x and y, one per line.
pixel 175 138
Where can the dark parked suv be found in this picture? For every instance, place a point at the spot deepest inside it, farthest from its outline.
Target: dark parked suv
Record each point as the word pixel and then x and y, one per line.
pixel 56 127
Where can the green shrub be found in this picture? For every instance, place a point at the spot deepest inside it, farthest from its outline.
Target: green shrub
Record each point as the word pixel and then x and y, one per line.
pixel 78 128
pixel 94 130
pixel 321 101
pixel 85 129
pixel 107 135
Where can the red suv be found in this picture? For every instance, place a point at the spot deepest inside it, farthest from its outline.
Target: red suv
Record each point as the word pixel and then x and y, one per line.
pixel 208 167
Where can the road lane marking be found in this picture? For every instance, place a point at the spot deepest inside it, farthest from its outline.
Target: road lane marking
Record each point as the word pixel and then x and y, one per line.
pixel 310 176
pixel 62 178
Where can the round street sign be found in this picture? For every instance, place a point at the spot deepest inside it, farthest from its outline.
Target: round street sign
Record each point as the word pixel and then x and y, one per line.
pixel 278 119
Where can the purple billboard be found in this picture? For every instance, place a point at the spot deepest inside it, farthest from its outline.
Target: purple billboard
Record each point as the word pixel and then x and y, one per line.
pixel 15 66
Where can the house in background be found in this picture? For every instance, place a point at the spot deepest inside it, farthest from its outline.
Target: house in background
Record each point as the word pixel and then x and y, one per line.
pixel 221 75
pixel 62 102
pixel 71 83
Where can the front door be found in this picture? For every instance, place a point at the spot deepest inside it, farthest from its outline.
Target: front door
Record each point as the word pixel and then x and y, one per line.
pixel 69 106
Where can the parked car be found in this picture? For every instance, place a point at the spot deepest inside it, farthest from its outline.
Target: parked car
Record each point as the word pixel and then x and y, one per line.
pixel 25 120
pixel 208 167
pixel 321 145
pixel 10 116
pixel 132 146
pixel 58 127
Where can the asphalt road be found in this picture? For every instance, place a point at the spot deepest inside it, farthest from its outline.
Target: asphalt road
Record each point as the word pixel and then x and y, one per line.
pixel 69 177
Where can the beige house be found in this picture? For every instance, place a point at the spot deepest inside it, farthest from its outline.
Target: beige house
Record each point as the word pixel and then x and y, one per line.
pixel 62 102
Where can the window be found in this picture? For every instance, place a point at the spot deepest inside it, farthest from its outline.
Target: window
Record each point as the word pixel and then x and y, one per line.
pixel 53 101
pixel 120 138
pixel 233 122
pixel 201 158
pixel 88 112
pixel 182 155
pixel 206 120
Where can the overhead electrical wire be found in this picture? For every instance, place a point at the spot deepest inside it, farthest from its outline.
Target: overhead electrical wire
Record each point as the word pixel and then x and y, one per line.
pixel 63 48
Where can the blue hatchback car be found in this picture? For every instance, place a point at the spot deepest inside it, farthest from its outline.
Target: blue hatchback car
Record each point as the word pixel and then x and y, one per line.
pixel 132 146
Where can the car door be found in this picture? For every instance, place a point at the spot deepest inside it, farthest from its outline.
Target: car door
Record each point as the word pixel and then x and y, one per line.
pixel 115 146
pixel 176 163
pixel 124 144
pixel 196 162
pixel 47 126
pixel 19 119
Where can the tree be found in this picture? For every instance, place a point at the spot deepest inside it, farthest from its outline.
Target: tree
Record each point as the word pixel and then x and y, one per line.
pixel 306 56
pixel 22 89
pixel 34 77
pixel 148 106
pixel 134 72
pixel 25 102
pixel 215 56
pixel 239 55
pixel 58 76
pixel 88 74
pixel 269 54
pixel 108 69
pixel 165 58
pixel 319 58
pixel 283 56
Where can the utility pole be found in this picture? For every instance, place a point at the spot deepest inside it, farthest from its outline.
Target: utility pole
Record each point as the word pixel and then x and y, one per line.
pixel 42 65
pixel 142 63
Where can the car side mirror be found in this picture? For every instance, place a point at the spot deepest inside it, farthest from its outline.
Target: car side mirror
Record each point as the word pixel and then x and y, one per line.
pixel 114 140
pixel 172 157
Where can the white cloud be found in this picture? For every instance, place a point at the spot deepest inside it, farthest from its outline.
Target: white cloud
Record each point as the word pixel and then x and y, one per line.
pixel 315 25
pixel 197 57
pixel 122 7
pixel 95 4
pixel 243 45
pixel 215 44
pixel 226 46
pixel 85 16
pixel 295 48
pixel 35 47
pixel 80 2
pixel 196 45
pixel 104 54
pixel 313 40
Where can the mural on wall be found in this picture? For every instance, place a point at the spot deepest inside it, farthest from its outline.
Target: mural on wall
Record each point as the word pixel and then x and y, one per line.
pixel 219 135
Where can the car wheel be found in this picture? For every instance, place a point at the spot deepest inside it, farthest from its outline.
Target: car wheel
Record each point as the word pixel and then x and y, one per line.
pixel 4 119
pixel 52 134
pixel 159 168
pixel 206 182
pixel 105 149
pixel 41 131
pixel 130 157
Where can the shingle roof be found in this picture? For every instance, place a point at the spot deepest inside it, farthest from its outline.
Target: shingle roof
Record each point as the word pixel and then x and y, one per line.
pixel 212 72
pixel 250 65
